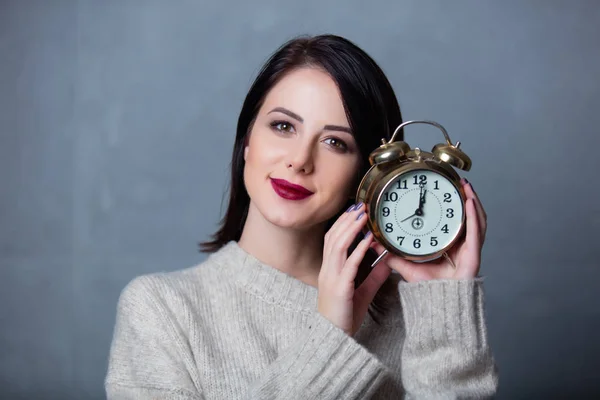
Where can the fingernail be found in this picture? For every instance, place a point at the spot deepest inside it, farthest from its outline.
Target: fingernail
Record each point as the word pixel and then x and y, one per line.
pixel 360 215
pixel 367 235
pixel 351 207
pixel 359 205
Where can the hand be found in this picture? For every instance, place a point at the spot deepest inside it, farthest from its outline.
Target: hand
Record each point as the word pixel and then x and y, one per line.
pixel 338 300
pixel 465 254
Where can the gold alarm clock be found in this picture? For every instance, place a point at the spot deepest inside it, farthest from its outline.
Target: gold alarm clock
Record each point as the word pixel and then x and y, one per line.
pixel 414 198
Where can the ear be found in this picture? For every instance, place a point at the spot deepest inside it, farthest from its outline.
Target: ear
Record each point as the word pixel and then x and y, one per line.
pixel 246 144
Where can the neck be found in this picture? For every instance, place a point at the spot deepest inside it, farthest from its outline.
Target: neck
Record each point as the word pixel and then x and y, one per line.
pixel 297 252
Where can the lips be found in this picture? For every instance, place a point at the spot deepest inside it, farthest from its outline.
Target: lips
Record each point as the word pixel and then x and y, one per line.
pixel 288 190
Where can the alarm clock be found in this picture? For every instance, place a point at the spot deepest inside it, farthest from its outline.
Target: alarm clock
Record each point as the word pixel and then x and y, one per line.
pixel 414 200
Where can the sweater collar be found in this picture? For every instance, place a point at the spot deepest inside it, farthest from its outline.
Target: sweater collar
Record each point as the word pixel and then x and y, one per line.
pixel 279 288
pixel 265 281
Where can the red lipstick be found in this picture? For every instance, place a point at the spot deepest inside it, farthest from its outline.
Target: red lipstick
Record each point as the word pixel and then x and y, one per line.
pixel 288 190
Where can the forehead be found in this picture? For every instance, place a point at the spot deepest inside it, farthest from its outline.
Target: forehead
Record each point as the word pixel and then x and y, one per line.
pixel 309 92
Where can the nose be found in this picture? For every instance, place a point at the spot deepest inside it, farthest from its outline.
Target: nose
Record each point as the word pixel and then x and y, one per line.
pixel 301 158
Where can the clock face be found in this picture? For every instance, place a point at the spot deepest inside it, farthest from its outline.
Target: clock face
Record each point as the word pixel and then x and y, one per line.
pixel 420 212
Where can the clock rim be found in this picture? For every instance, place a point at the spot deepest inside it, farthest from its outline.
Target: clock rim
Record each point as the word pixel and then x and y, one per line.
pixel 379 177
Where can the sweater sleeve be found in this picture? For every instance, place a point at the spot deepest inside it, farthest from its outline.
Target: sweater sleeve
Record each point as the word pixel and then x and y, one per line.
pixel 323 363
pixel 148 356
pixel 446 352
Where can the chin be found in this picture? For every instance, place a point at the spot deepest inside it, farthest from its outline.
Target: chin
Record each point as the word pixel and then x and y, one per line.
pixel 301 218
pixel 289 219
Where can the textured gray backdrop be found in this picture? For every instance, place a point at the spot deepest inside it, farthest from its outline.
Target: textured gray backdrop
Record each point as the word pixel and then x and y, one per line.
pixel 117 119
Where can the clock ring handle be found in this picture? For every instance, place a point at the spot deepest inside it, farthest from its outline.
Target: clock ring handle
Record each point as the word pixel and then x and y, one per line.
pixel 422 122
pixel 450 153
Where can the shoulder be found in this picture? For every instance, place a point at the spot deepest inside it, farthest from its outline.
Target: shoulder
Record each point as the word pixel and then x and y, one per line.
pixel 150 300
pixel 161 289
pixel 175 292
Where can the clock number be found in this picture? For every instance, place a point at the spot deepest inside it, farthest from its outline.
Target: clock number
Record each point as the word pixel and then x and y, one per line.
pixel 400 239
pixel 386 211
pixel 391 196
pixel 436 186
pixel 447 198
pixel 402 184
pixel 417 243
pixel 422 179
pixel 445 228
pixel 449 213
pixel 389 227
pixel 433 241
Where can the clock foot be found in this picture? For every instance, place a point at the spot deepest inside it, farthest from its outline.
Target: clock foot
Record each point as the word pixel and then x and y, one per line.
pixel 383 254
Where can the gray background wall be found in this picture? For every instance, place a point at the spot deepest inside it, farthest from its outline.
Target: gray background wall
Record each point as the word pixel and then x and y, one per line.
pixel 117 119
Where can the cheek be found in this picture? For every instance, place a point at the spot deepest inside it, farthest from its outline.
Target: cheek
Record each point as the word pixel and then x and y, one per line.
pixel 261 158
pixel 252 165
pixel 341 181
pixel 253 154
pixel 262 150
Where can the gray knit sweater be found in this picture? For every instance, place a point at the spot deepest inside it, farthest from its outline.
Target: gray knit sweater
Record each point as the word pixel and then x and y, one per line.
pixel 234 328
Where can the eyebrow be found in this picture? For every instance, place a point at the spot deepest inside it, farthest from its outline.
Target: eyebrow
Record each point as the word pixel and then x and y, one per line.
pixel 337 128
pixel 301 120
pixel 287 112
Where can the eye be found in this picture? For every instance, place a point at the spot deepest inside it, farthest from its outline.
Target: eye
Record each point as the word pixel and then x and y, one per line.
pixel 282 126
pixel 337 144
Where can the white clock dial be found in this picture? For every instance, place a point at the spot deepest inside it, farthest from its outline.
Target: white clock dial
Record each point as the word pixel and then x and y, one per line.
pixel 420 212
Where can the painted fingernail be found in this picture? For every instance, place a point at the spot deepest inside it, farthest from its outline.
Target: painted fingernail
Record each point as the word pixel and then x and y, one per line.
pixel 360 216
pixel 359 205
pixel 367 235
pixel 351 207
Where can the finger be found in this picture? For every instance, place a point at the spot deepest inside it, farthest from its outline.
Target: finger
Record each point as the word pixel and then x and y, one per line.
pixel 372 283
pixel 331 238
pixel 344 236
pixel 339 226
pixel 470 192
pixel 478 203
pixel 482 217
pixel 481 214
pixel 353 262
pixel 348 218
pixel 473 239
pixel 334 227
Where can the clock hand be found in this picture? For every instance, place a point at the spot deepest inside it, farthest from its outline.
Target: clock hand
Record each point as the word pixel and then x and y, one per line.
pixel 418 211
pixel 410 216
pixel 422 200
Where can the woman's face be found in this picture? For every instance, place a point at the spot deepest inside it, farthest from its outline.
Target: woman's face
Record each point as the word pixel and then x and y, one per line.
pixel 301 136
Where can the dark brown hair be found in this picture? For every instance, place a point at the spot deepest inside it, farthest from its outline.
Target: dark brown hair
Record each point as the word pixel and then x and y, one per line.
pixel 369 100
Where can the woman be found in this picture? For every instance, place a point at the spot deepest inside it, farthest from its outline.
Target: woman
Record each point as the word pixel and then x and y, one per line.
pixel 286 305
